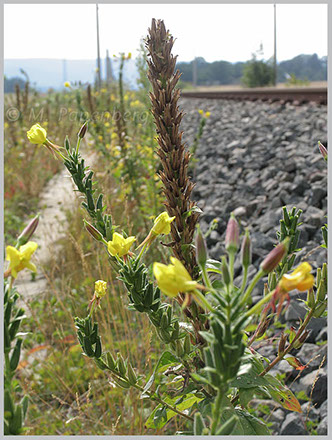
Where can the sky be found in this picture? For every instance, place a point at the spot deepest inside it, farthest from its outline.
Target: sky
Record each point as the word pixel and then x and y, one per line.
pixel 215 32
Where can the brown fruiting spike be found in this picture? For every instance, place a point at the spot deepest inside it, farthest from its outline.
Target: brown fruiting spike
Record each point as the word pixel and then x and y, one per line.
pixel 174 158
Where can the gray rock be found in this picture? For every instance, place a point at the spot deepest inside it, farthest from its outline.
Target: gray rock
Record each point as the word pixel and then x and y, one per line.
pixel 319 390
pixel 323 410
pixel 295 311
pixel 314 216
pixel 318 193
pixel 310 411
pixel 312 354
pixel 315 326
pixel 276 417
pixel 293 425
pixel 322 427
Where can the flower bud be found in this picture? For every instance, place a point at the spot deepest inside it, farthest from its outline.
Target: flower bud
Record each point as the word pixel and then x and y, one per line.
pixel 93 231
pixel 292 334
pixel 225 272
pixel 323 150
pixel 246 250
pixel 310 298
pixel 320 309
pixel 304 336
pixel 83 130
pixel 263 325
pixel 28 231
pixel 324 273
pixel 282 343
pixel 232 235
pixel 100 288
pixel 201 250
pixel 275 257
pixel 321 291
pixel 297 344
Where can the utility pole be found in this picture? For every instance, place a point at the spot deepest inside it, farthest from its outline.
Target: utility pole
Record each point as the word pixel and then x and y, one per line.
pixel 64 71
pixel 109 73
pixel 195 72
pixel 98 52
pixel 275 48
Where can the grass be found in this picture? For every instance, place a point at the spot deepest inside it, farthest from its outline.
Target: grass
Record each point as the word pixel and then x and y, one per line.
pixel 69 394
pixel 28 168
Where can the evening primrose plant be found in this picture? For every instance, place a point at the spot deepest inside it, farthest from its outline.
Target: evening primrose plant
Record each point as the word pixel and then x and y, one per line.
pixel 19 257
pixel 206 321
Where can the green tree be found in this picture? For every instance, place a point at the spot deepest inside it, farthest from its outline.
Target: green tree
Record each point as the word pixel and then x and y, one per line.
pixel 257 73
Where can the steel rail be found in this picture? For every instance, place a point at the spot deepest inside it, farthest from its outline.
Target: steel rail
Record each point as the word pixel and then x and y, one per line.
pixel 299 95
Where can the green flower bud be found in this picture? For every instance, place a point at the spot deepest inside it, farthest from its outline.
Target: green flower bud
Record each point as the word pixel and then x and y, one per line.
pixel 310 298
pixel 232 235
pixel 83 130
pixel 93 231
pixel 28 231
pixel 246 250
pixel 275 257
pixel 201 250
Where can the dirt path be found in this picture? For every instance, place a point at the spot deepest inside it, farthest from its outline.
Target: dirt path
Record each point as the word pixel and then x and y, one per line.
pixel 58 196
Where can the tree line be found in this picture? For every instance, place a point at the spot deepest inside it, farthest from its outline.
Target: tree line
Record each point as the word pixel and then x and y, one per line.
pixel 254 72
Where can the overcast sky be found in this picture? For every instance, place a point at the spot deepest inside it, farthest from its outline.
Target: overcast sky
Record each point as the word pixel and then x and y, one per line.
pixel 216 32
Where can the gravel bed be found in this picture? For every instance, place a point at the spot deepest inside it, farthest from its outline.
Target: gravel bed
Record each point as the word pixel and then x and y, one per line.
pixel 253 159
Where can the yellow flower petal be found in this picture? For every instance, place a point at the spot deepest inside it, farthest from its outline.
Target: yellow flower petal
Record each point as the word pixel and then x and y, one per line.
pixel 20 259
pixel 299 279
pixel 173 278
pixel 119 245
pixel 100 288
pixel 37 134
pixel 162 224
pixel 306 284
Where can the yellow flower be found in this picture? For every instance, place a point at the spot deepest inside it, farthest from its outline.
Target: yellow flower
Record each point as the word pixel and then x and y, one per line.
pixel 201 112
pixel 67 84
pixel 301 279
pixel 174 278
pixel 207 114
pixel 162 224
pixel 129 56
pixel 20 259
pixel 107 115
pixel 37 134
pixel 100 288
pixel 119 245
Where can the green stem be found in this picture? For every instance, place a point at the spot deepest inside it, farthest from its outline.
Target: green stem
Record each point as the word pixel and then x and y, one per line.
pixel 142 250
pixel 257 277
pixel 257 306
pixel 244 280
pixel 216 411
pixel 201 299
pixel 205 277
pixel 78 145
pixel 231 265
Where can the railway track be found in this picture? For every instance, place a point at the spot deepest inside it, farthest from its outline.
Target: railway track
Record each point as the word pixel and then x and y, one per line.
pixel 297 96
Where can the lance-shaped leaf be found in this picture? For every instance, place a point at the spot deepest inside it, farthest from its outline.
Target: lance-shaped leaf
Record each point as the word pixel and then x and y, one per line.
pixel 295 363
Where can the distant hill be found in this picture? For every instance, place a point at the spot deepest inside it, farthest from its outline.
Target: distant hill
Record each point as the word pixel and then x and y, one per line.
pixel 223 72
pixel 49 73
